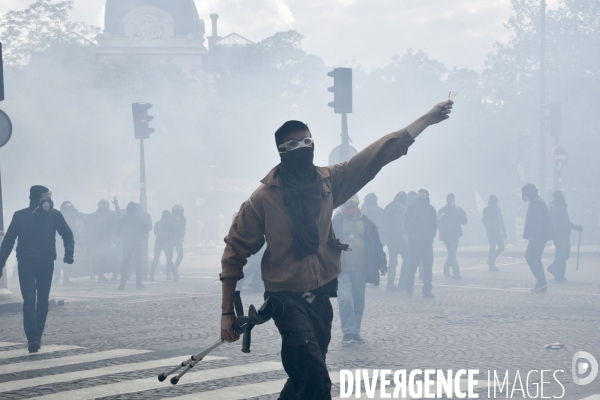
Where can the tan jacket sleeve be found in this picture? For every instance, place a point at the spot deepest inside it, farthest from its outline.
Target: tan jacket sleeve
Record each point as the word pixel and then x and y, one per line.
pixel 349 177
pixel 246 237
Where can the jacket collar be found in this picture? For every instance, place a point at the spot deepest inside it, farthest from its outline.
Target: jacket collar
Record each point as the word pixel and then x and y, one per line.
pixel 272 178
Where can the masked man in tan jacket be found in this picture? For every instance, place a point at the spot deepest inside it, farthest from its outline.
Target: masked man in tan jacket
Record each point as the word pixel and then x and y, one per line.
pixel 292 212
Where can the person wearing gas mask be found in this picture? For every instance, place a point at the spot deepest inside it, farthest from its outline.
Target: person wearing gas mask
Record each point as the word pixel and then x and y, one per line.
pixel 101 229
pixel 70 213
pixel 35 227
pixel 179 223
pixel 562 226
pixel 420 223
pixel 495 229
pixel 361 265
pixel 538 230
pixel 450 219
pixel 133 230
pixel 292 212
pixel 164 232
pixel 392 230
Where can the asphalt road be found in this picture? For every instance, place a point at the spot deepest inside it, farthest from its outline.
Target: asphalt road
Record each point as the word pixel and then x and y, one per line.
pixel 109 344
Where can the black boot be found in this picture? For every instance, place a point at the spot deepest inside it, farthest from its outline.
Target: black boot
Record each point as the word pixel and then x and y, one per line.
pixel 33 346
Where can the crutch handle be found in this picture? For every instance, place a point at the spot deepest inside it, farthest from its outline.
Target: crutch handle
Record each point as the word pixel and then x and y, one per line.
pixel 247 338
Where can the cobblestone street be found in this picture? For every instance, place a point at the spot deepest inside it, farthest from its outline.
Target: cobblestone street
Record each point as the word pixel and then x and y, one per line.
pixel 108 344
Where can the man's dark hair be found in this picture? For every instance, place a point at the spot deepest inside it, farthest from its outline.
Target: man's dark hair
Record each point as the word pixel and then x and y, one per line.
pixel 36 191
pixel 289 127
pixel 530 190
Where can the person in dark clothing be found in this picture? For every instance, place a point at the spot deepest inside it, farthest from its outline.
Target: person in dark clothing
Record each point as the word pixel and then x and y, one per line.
pixel 101 228
pixel 359 266
pixel 538 230
pixel 495 229
pixel 411 198
pixel 164 242
pixel 133 229
pixel 292 213
pixel 392 230
pixel 71 215
pixel 420 223
pixel 179 223
pixel 562 226
pixel 145 255
pixel 450 219
pixel 35 227
pixel 371 209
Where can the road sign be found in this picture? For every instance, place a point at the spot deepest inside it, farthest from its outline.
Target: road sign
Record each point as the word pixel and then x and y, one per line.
pixel 560 156
pixel 5 128
pixel 336 156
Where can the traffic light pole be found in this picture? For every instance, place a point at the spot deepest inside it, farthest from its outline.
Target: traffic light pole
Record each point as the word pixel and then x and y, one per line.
pixel 543 155
pixel 4 291
pixel 557 173
pixel 345 139
pixel 143 195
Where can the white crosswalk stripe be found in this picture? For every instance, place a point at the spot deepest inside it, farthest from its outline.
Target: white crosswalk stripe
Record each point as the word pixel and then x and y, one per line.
pixel 4 355
pixel 91 383
pixel 7 344
pixel 593 397
pixel 244 391
pixel 138 385
pixel 94 373
pixel 69 360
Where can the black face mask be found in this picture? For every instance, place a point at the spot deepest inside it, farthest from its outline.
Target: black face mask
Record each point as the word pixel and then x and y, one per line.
pixel 301 190
pixel 298 162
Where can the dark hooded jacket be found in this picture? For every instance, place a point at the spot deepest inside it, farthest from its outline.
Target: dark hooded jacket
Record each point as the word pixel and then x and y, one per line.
pixel 133 227
pixel 561 222
pixel 375 257
pixel 372 210
pixel 420 222
pixel 71 215
pixel 492 220
pixel 538 224
pixel 392 226
pixel 36 230
pixel 450 219
pixel 165 230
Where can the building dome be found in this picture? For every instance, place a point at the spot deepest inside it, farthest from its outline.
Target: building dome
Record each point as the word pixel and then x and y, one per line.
pixel 180 15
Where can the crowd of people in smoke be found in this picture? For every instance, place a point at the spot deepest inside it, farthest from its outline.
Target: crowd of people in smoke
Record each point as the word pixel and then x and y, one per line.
pixel 115 242
pixel 408 226
pixel 112 241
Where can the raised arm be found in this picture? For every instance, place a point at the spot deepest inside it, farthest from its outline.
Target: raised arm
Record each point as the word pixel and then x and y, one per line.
pixel 350 177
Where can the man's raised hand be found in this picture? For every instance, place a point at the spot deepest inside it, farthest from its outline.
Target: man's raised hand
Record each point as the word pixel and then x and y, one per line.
pixel 440 112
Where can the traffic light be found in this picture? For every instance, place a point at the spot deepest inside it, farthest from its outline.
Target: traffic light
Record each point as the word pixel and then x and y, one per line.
pixel 1 76
pixel 342 90
pixel 553 118
pixel 141 120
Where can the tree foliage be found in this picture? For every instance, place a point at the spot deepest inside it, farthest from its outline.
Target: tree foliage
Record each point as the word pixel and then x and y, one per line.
pixel 42 26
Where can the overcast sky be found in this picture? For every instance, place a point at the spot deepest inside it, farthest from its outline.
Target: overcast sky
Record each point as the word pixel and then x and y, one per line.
pixel 355 32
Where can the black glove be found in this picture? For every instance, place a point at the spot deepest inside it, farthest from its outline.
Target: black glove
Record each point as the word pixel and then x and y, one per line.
pixel 68 260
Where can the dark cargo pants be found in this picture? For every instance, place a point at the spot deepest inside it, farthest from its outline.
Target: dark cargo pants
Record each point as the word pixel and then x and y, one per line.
pixel 35 279
pixel 305 331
